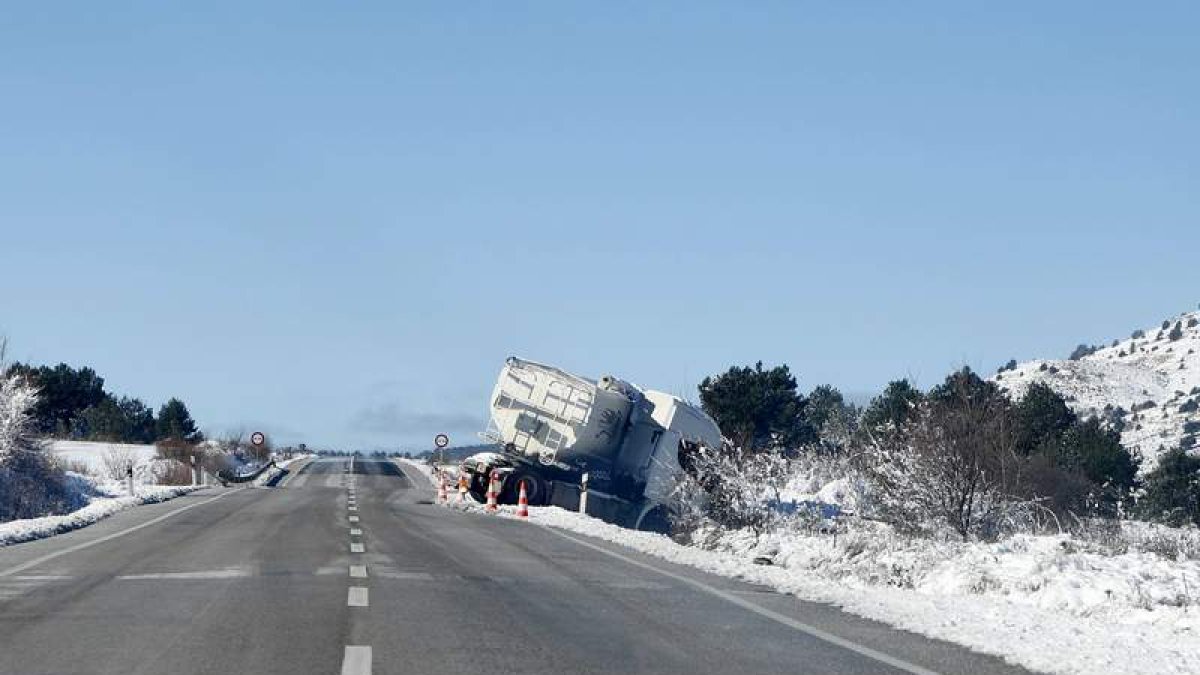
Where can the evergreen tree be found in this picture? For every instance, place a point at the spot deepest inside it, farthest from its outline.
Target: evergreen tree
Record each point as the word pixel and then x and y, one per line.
pixel 1098 454
pixel 758 409
pixel 63 393
pixel 140 418
pixel 894 408
pixel 1042 418
pixel 124 420
pixel 825 402
pixel 834 421
pixel 176 423
pixel 1173 490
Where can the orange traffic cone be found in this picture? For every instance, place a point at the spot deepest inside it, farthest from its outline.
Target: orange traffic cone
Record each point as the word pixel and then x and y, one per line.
pixel 493 487
pixel 442 498
pixel 523 503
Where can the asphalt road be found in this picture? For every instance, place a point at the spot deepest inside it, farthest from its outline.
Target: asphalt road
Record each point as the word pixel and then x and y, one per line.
pixel 258 580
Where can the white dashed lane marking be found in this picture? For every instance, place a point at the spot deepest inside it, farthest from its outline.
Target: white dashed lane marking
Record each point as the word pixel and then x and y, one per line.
pixel 353 508
pixel 356 548
pixel 357 597
pixel 355 532
pixel 185 576
pixel 357 661
pixel 354 519
pixel 358 571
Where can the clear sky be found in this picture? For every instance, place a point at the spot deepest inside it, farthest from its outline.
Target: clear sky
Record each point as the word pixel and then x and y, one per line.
pixel 333 222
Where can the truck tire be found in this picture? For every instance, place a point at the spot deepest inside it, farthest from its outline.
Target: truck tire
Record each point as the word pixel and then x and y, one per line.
pixel 536 490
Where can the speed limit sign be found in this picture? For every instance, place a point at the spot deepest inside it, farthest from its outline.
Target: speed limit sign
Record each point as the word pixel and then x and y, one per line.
pixel 441 440
pixel 257 438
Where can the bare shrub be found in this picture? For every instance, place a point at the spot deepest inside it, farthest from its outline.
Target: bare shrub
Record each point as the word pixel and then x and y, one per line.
pixel 117 460
pixel 172 472
pixel 955 465
pixel 76 466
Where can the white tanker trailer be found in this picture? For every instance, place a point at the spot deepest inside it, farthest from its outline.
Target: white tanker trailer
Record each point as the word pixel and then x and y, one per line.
pixel 553 427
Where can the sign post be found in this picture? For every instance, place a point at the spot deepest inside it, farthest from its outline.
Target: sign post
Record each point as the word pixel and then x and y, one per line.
pixel 441 441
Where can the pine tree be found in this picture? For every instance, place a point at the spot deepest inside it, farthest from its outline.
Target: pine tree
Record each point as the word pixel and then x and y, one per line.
pixel 63 393
pixel 1042 417
pixel 892 409
pixel 1097 453
pixel 1173 490
pixel 758 409
pixel 176 423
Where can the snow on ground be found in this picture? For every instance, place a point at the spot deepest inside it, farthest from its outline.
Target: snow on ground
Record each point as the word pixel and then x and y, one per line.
pixel 281 467
pixel 92 458
pixel 429 471
pixel 1041 602
pixel 109 498
pixel 1155 380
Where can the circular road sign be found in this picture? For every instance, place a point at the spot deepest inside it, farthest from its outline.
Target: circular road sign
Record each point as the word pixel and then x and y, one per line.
pixel 441 440
pixel 257 438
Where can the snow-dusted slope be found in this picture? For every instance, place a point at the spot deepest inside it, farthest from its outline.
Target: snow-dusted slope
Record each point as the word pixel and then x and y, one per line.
pixel 1150 381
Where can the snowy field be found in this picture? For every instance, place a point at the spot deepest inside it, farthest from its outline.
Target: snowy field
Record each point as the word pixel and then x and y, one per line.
pixel 93 458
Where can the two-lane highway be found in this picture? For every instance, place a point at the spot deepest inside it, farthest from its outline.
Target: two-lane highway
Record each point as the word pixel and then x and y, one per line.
pixel 353 570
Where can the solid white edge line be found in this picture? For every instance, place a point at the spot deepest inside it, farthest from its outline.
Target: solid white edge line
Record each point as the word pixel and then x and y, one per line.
pixel 761 611
pixel 115 535
pixel 357 660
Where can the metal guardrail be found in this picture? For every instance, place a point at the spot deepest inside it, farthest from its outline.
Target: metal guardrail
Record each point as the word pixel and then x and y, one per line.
pixel 227 477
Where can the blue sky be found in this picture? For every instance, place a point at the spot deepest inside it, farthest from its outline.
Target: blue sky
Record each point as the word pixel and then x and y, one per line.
pixel 333 223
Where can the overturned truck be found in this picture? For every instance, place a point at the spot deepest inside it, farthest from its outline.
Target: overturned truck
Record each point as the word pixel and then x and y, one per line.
pixel 554 430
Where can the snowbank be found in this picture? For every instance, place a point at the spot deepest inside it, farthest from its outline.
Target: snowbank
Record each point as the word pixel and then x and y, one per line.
pixel 110 500
pixel 1035 601
pixel 426 470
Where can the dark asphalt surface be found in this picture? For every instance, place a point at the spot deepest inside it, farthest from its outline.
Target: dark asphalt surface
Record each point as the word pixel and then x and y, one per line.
pixel 257 580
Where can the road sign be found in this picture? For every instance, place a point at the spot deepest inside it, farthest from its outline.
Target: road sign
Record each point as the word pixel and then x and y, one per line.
pixel 257 438
pixel 441 440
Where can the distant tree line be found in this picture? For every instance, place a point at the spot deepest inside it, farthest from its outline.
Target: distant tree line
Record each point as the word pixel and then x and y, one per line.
pixel 73 404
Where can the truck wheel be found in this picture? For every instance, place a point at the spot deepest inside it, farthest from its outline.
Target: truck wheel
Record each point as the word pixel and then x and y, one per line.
pixel 535 489
pixel 657 520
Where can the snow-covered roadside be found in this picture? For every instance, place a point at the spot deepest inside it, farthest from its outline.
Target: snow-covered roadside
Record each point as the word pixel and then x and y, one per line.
pixel 273 474
pixel 1030 600
pixel 98 508
pixel 422 468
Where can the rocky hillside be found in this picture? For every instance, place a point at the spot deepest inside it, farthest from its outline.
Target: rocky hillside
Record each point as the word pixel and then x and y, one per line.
pixel 1147 385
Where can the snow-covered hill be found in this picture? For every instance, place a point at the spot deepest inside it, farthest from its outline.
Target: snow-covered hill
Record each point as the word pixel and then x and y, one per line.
pixel 1150 382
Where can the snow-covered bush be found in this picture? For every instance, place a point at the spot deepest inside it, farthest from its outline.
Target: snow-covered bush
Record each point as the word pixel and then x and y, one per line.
pixel 732 489
pixel 118 460
pixel 30 482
